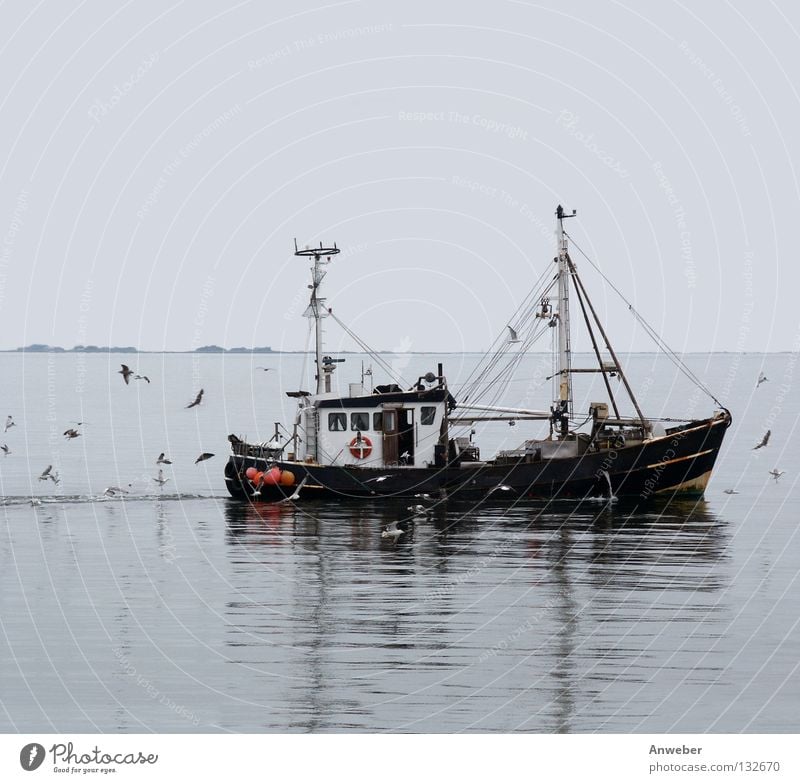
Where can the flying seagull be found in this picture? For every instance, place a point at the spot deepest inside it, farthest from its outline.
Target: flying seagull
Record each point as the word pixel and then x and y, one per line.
pixel 417 509
pixel 71 433
pixel 204 456
pixel 378 479
pixel 196 399
pixel 141 378
pixel 761 379
pixel 731 492
pixel 48 473
pixel 161 480
pixel 394 531
pixel 265 369
pixel 126 373
pixel 501 487
pixel 259 487
pixel 764 440
pixel 162 460
pixel 512 335
pixel 10 423
pixel 776 474
pixel 296 494
pixel 6 450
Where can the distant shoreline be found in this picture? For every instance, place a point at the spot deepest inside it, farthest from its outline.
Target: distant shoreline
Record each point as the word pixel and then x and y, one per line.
pixel 216 350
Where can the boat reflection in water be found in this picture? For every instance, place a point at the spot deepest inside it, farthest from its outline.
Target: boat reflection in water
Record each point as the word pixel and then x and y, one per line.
pixel 557 617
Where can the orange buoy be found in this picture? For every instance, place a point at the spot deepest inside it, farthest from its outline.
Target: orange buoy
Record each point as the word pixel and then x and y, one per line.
pixel 251 473
pixel 257 478
pixel 272 476
pixel 287 478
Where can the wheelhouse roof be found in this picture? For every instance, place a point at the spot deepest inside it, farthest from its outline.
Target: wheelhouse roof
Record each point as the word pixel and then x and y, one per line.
pixel 375 400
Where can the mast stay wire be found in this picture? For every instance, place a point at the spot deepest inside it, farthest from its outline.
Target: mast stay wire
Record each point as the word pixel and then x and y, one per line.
pixel 385 366
pixel 650 331
pixel 498 348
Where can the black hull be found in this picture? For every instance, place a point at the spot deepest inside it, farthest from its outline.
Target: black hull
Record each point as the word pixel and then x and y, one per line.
pixel 679 463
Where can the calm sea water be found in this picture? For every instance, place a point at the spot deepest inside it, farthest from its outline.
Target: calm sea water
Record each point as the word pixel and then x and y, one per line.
pixel 181 610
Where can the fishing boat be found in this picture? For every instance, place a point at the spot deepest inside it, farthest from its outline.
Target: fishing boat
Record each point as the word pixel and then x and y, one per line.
pixel 416 438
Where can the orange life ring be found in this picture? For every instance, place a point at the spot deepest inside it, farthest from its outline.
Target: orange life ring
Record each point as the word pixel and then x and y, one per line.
pixel 361 447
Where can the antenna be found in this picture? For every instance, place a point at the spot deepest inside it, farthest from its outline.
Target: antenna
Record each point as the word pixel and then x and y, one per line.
pixel 316 307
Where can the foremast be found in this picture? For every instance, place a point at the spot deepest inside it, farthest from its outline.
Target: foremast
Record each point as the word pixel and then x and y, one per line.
pixel 316 307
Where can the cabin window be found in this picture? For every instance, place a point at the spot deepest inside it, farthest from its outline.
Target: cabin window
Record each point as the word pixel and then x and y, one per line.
pixel 337 422
pixel 377 422
pixel 427 415
pixel 390 421
pixel 359 421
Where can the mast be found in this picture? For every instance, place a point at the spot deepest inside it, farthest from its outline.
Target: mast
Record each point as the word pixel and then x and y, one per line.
pixel 566 269
pixel 316 307
pixel 563 406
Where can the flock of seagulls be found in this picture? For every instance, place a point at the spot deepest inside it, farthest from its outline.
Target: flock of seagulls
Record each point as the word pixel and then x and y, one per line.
pixel 49 474
pixel 392 532
pixel 775 473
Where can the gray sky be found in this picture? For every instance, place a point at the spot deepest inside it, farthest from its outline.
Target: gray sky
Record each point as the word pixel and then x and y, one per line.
pixel 158 159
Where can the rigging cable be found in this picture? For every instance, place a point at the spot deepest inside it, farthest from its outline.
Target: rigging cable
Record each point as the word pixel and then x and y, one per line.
pixel 499 346
pixel 370 352
pixel 674 358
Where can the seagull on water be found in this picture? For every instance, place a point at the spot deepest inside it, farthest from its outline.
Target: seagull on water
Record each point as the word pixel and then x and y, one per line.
pixel 6 450
pixel 112 491
pixel 126 373
pixel 512 335
pixel 197 399
pixel 10 423
pixel 204 456
pixel 161 480
pixel 776 474
pixel 162 460
pixel 761 379
pixel 764 440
